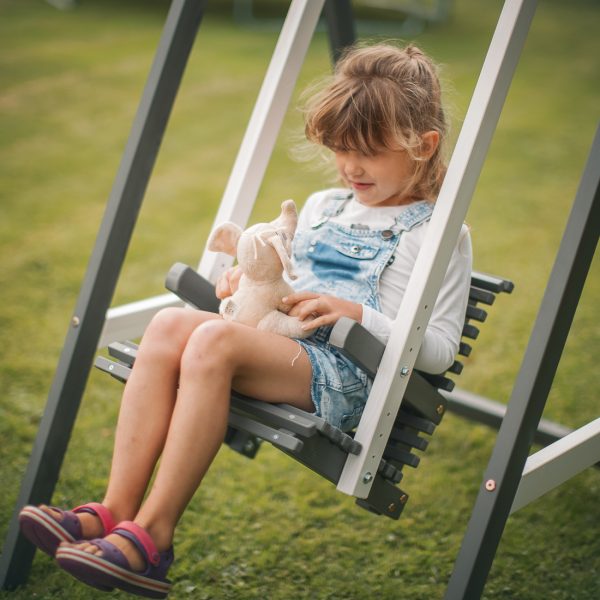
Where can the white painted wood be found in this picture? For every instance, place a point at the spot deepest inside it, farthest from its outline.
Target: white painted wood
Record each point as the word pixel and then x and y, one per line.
pixel 553 465
pixel 264 125
pixel 128 322
pixel 432 262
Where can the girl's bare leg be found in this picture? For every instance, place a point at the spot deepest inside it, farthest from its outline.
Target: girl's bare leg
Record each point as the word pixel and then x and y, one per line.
pixel 145 413
pixel 219 355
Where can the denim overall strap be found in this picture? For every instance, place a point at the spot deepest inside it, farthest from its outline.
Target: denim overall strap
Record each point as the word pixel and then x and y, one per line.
pixel 338 260
pixel 414 215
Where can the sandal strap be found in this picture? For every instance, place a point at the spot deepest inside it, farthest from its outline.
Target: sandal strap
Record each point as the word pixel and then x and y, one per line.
pixel 141 538
pixel 105 516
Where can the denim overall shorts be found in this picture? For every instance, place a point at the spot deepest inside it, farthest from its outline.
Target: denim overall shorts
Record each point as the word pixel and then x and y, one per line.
pixel 346 262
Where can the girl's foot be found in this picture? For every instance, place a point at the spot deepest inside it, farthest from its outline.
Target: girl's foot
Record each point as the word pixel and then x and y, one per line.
pixel 48 526
pixel 127 559
pixel 126 546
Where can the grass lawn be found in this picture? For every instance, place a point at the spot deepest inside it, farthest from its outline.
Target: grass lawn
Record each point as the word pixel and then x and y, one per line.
pixel 69 87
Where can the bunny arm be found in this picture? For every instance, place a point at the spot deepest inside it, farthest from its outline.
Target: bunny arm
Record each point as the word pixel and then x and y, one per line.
pixel 278 322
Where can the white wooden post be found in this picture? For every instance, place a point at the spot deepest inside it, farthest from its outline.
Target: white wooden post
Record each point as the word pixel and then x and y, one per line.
pixel 265 123
pixel 432 262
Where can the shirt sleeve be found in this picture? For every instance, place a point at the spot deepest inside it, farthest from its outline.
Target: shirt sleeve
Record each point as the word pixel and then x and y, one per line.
pixel 442 337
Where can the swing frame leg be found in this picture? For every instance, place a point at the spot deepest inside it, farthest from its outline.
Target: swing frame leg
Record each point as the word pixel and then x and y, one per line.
pixel 96 293
pixel 504 472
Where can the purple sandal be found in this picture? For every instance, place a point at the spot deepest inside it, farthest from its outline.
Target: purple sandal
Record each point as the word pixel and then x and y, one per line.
pixel 47 533
pixel 112 569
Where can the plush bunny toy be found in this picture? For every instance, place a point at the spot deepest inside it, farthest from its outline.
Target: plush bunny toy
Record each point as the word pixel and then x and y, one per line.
pixel 263 254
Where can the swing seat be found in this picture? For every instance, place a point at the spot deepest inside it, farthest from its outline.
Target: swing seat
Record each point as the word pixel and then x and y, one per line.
pixel 308 438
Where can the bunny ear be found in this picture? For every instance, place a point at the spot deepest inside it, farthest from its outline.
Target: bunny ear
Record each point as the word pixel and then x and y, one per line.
pixel 288 220
pixel 277 244
pixel 225 238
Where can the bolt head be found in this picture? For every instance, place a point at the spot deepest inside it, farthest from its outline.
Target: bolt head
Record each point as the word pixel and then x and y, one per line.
pixel 367 477
pixel 490 485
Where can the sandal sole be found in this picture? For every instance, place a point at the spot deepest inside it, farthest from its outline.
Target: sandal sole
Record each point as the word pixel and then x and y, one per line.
pixel 97 571
pixel 42 530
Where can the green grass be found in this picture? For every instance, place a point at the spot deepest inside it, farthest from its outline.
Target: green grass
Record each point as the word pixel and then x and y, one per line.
pixel 69 87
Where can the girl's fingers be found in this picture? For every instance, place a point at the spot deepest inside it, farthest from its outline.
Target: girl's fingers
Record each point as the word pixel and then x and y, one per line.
pixel 297 297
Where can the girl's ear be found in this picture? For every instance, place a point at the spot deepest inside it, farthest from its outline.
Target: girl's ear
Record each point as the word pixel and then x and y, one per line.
pixel 225 238
pixel 429 143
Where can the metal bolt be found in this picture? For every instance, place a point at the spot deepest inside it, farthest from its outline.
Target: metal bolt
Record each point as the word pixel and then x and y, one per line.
pixel 367 477
pixel 111 367
pixel 440 409
pixel 291 417
pixel 75 321
pixel 490 485
pixel 404 371
pixel 249 446
pixel 403 499
pixel 392 508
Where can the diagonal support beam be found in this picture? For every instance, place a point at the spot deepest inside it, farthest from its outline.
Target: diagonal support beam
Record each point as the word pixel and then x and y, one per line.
pixel 101 277
pixel 503 475
pixel 444 228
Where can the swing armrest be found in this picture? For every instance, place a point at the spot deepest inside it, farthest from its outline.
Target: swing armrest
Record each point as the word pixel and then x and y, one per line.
pixel 192 288
pixel 358 344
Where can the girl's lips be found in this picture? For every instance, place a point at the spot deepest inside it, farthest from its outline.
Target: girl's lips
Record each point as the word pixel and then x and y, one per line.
pixel 360 186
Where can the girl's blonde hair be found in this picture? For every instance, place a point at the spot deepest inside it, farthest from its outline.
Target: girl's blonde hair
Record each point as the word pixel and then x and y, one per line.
pixel 382 96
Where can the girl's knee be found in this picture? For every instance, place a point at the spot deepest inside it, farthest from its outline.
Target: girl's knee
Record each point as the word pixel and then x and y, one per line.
pixel 212 345
pixel 167 333
pixel 166 321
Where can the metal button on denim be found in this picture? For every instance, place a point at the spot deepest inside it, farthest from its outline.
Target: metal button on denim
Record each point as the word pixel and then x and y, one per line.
pixel 355 249
pixel 386 234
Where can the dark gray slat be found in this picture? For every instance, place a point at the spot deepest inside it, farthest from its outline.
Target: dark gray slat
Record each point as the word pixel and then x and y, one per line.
pixel 456 367
pixel 125 352
pixel 402 455
pixel 384 499
pixel 281 439
pixel 192 288
pixel 475 313
pixel 116 369
pixel 321 456
pixel 491 283
pixel 410 438
pixel 470 331
pixel 273 415
pixel 242 442
pixel 338 437
pixel 389 471
pixel 440 382
pixel 478 295
pixel 419 423
pixel 464 349
pixel 426 400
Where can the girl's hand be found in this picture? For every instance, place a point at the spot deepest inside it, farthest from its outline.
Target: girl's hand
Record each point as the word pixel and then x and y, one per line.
pixel 320 309
pixel 228 283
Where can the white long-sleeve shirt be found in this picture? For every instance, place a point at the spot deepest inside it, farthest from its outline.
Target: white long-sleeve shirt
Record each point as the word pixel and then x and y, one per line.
pixel 442 337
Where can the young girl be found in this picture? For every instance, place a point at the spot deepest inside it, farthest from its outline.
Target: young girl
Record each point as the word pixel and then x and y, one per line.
pixel 381 116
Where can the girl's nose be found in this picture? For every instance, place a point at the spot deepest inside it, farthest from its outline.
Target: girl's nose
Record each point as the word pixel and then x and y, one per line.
pixel 353 167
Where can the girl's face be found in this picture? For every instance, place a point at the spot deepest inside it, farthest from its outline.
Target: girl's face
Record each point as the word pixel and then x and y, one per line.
pixel 378 180
pixel 384 178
